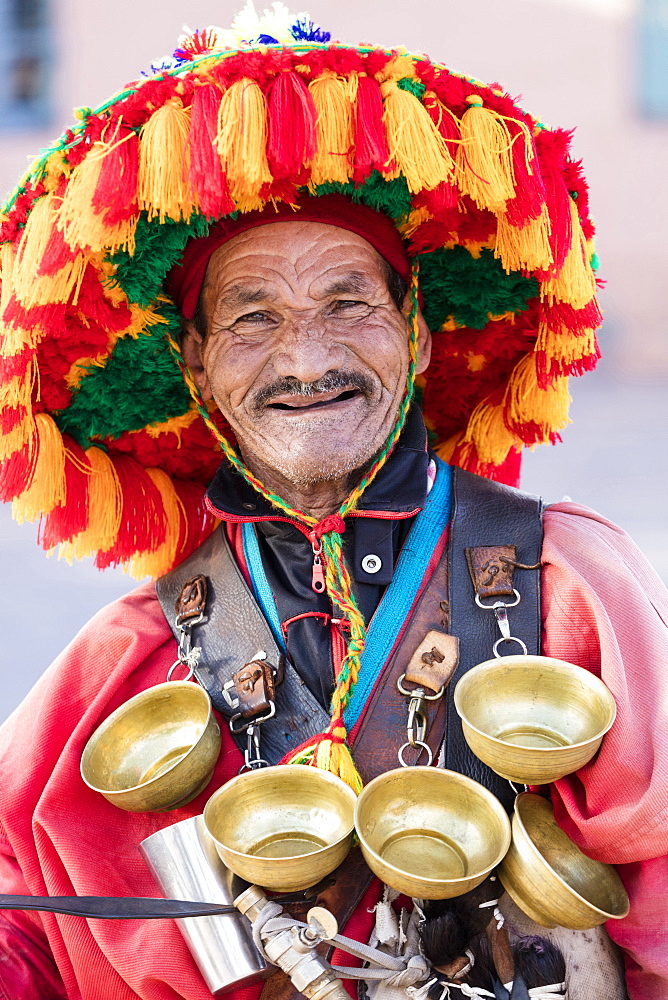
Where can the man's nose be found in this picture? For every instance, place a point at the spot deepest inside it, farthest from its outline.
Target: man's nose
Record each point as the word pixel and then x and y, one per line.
pixel 306 350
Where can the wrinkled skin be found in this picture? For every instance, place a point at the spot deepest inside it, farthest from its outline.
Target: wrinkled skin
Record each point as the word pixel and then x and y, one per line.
pixel 305 354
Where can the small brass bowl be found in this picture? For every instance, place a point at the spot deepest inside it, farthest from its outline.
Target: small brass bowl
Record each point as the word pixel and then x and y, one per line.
pixel 551 879
pixel 157 751
pixel 283 828
pixel 533 719
pixel 430 833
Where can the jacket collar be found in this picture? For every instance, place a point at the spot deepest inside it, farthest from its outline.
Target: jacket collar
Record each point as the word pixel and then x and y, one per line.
pixel 399 489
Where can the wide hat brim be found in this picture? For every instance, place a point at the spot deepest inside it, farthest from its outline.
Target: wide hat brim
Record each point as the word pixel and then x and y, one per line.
pixel 98 433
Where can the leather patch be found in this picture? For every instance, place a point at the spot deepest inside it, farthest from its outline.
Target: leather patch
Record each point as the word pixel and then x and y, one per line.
pixel 254 688
pixel 491 568
pixel 434 661
pixel 191 602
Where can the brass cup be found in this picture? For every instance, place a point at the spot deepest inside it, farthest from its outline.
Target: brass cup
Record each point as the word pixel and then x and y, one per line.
pixel 157 751
pixel 533 719
pixel 430 833
pixel 551 879
pixel 282 828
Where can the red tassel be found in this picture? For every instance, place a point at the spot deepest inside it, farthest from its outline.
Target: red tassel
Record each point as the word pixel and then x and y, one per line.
pixel 552 148
pixel 115 197
pixel 16 472
pixel 198 520
pixel 143 526
pixel 371 149
pixel 207 180
pixel 530 190
pixel 63 523
pixel 291 118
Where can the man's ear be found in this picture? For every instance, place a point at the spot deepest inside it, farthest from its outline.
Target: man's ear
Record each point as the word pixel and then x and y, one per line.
pixel 192 343
pixel 424 335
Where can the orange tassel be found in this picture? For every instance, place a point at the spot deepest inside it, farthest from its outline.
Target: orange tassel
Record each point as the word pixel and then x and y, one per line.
pixel 47 488
pixel 575 282
pixel 164 191
pixel 241 142
pixel 525 249
pixel 415 143
pixel 332 162
pixel 488 432
pixel 485 158
pixel 535 414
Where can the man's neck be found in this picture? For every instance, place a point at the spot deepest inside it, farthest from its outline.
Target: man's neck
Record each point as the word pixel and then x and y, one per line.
pixel 319 498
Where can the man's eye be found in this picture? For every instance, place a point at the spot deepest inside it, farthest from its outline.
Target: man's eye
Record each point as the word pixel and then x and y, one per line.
pixel 254 317
pixel 353 306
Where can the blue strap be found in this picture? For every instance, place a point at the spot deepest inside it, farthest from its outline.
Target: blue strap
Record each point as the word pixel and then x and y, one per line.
pixel 397 600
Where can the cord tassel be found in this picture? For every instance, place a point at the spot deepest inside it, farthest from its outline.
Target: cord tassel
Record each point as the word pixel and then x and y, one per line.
pixel 485 158
pixel 47 489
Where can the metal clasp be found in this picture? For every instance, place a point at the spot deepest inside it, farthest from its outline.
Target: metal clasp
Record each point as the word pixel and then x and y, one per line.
pixel 501 615
pixel 252 758
pixel 416 728
pixel 188 655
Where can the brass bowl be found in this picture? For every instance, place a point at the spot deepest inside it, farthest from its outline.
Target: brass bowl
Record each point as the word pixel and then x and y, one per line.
pixel 430 833
pixel 551 879
pixel 157 751
pixel 533 719
pixel 283 828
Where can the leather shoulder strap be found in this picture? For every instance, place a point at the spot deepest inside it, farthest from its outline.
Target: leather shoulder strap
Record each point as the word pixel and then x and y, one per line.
pixel 233 633
pixel 488 513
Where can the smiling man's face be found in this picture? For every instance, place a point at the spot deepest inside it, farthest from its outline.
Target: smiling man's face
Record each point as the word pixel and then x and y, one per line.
pixel 303 349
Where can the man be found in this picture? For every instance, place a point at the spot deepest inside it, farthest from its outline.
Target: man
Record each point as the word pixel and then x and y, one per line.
pixel 280 203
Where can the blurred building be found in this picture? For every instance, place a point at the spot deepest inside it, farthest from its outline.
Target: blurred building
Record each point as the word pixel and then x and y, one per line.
pixel 599 64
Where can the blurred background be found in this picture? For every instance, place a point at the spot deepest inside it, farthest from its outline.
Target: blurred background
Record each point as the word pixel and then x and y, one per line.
pixel 600 65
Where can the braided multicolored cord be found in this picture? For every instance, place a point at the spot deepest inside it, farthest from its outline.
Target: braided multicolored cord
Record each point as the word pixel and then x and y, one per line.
pixel 329 750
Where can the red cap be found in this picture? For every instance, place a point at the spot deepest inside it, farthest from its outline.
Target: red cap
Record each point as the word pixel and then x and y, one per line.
pixel 184 281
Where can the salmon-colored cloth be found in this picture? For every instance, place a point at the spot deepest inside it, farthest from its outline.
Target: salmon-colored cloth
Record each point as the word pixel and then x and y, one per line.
pixel 604 608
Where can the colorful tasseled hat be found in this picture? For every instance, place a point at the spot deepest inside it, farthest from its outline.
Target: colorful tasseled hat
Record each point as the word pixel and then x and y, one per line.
pixel 99 434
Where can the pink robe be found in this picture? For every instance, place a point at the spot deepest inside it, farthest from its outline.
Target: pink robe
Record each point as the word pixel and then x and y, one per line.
pixel 603 607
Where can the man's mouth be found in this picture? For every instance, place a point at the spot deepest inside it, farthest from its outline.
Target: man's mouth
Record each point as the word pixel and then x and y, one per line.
pixel 303 403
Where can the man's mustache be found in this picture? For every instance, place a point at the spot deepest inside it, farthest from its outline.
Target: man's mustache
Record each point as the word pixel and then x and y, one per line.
pixel 329 382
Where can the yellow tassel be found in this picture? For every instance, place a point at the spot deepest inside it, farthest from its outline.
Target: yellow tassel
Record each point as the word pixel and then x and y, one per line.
pixel 415 143
pixel 485 159
pixel 562 346
pixel 80 224
pixel 334 129
pixel 241 142
pixel 525 249
pixel 105 509
pixel 488 432
pixel 47 489
pixel 31 288
pixel 157 563
pixel 526 403
pixel 15 339
pixel 163 189
pixel 575 283
pixel 7 258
